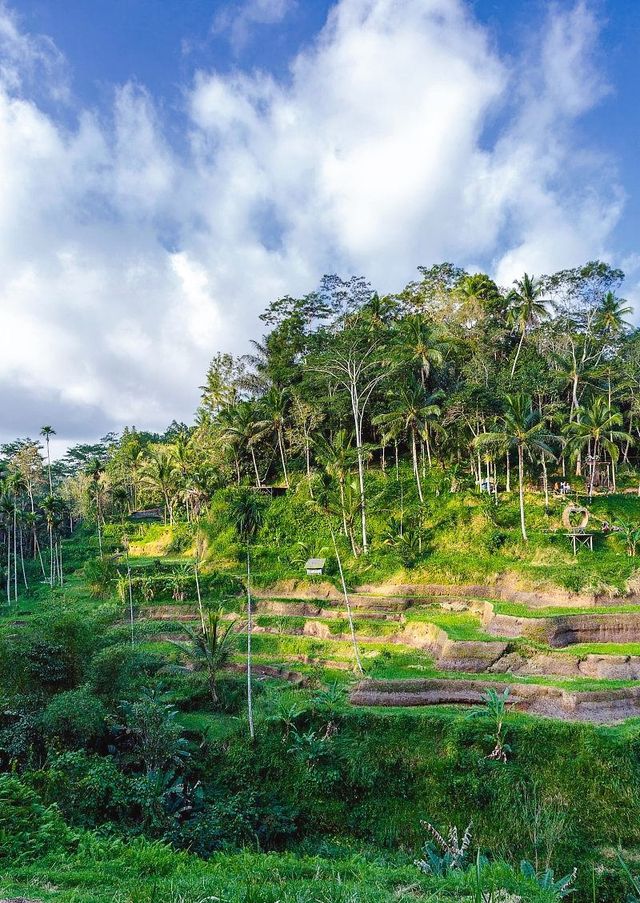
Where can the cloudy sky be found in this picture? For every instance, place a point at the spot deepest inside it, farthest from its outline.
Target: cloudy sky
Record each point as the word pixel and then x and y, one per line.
pixel 168 168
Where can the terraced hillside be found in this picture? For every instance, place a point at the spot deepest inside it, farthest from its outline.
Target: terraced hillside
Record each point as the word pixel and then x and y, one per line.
pixel 573 656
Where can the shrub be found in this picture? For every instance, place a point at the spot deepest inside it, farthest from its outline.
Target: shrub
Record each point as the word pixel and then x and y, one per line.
pixel 28 828
pixel 75 718
pixel 117 670
pixel 100 574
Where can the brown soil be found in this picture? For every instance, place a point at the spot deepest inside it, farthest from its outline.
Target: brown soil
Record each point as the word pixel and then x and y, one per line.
pixel 600 707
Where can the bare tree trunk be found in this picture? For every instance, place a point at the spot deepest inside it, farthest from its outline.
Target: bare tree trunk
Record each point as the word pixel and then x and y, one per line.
pixel 249 629
pixel 515 360
pixel 521 491
pixel 416 470
pixel 545 481
pixel 282 458
pixel 347 603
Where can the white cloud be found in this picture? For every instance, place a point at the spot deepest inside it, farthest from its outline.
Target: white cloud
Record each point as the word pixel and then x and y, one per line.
pixel 239 20
pixel 125 264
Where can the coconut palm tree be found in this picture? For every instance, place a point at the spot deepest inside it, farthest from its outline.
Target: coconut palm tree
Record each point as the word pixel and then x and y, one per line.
pixel 95 469
pixel 610 316
pixel 238 429
pixel 526 308
pixel 597 429
pixel 418 342
pixel 48 432
pixel 413 412
pixel 209 648
pixel 522 429
pixel 338 457
pixel 274 408
pixel 160 475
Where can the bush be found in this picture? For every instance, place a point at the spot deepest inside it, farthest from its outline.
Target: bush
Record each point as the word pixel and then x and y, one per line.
pixel 100 574
pixel 88 789
pixel 28 828
pixel 119 669
pixel 75 718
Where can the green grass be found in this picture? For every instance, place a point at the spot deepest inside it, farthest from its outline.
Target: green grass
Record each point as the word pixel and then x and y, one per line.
pixel 142 872
pixel 517 610
pixel 581 649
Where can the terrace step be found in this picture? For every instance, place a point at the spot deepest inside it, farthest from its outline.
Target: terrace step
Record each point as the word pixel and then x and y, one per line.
pixel 566 630
pixel 600 707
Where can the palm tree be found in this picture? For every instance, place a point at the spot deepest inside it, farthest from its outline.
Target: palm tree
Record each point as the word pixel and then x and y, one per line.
pixel 52 509
pixel 597 429
pixel 527 308
pixel 209 648
pixel 274 410
pixel 160 474
pixel 48 432
pixel 417 339
pixel 520 428
pixel 478 296
pixel 413 413
pixel 238 429
pixel 338 458
pixel 95 470
pixel 610 315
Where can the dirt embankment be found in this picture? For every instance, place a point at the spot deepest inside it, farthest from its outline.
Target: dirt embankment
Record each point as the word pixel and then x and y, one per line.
pixel 565 630
pixel 600 707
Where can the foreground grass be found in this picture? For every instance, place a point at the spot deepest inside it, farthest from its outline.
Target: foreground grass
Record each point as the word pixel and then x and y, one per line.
pixel 108 871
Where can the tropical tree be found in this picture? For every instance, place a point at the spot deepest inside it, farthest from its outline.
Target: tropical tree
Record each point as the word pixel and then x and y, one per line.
pixel 338 457
pixel 274 410
pixel 209 648
pixel 418 344
pixel 597 429
pixel 413 413
pixel 160 475
pixel 355 363
pixel 48 432
pixel 521 429
pixel 526 308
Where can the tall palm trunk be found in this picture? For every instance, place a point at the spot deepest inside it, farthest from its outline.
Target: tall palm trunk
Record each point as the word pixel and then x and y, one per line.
pixel 515 360
pixel 523 527
pixel 15 551
pixel 282 457
pixel 416 471
pixel 354 639
pixel 545 481
pixel 592 477
pixel 249 629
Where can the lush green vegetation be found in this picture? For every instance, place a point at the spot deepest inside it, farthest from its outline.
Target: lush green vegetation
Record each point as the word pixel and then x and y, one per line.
pixel 410 440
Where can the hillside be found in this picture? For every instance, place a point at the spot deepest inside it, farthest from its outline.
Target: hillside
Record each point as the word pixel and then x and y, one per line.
pixel 187 714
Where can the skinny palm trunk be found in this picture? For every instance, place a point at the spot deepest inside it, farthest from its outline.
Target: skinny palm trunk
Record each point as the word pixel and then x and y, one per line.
pixel 8 566
pixel 249 629
pixel 282 458
pixel 545 481
pixel 515 360
pixel 24 573
pixel 15 551
pixel 255 466
pixel 416 471
pixel 354 639
pixel 521 491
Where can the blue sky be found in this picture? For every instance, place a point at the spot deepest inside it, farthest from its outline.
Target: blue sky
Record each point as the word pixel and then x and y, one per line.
pixel 170 166
pixel 161 43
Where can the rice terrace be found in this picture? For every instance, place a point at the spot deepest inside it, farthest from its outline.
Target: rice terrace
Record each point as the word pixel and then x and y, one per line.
pixel 319 587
